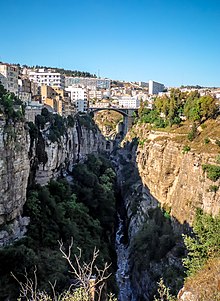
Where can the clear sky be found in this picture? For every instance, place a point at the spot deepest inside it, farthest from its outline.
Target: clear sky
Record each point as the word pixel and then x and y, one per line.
pixel 174 42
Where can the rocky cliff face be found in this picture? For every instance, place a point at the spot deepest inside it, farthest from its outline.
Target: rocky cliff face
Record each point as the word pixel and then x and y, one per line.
pixel 14 173
pixel 177 179
pixel 149 253
pixel 155 173
pixel 73 147
pixel 39 160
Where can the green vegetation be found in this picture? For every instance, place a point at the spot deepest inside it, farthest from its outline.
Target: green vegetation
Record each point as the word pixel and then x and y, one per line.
pixel 193 133
pixel 142 142
pixel 213 171
pixel 57 124
pixel 213 188
pixel 154 240
pixel 218 159
pixel 186 149
pixel 86 121
pixel 84 211
pixel 170 110
pixel 94 186
pixel 206 140
pixel 151 245
pixel 67 72
pixel 11 106
pixel 163 292
pixel 204 244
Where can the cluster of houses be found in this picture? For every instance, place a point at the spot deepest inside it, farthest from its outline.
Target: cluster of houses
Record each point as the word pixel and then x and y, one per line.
pixel 67 95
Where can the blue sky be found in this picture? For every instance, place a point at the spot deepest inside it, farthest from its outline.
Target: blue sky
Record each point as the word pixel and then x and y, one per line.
pixel 174 42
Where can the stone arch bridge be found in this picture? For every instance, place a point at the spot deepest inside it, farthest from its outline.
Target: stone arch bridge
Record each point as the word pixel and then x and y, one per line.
pixel 128 115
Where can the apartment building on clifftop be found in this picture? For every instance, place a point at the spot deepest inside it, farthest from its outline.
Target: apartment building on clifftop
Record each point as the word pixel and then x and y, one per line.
pixel 155 87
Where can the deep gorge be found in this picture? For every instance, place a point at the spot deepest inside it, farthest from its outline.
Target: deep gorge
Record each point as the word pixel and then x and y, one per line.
pixel 156 190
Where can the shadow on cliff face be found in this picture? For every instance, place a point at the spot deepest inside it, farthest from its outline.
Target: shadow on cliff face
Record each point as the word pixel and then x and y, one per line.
pixel 152 236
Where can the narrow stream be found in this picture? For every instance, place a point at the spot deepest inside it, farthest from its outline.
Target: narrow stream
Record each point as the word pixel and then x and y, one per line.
pixel 123 274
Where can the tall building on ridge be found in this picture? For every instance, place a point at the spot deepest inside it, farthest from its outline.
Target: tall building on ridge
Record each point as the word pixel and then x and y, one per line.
pixel 155 88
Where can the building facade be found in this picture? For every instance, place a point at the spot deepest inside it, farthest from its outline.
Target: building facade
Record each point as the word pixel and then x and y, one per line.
pixel 24 90
pixel 81 105
pixel 155 88
pixel 10 80
pixel 51 98
pixel 45 77
pixel 77 93
pixel 79 97
pixel 129 102
pixel 95 94
pixel 88 82
pixel 3 81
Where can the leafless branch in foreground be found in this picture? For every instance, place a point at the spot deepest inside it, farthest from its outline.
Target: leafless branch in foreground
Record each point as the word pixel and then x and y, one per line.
pixel 89 280
pixel 88 275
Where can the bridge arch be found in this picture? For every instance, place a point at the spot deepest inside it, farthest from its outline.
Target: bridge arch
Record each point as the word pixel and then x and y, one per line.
pixel 127 114
pixel 121 111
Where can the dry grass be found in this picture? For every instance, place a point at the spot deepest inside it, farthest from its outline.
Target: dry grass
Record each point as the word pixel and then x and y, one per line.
pixel 209 130
pixel 206 283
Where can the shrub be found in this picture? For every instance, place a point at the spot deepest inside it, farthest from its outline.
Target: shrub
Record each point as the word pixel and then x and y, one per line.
pixel 218 159
pixel 164 292
pixel 213 188
pixel 70 121
pixel 205 242
pixel 206 140
pixel 213 171
pixel 192 134
pixel 186 149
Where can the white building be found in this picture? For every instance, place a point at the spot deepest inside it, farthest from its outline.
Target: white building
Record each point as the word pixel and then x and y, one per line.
pixel 129 102
pixel 9 77
pixel 79 97
pixel 81 105
pixel 95 94
pixel 45 77
pixel 155 88
pixel 77 93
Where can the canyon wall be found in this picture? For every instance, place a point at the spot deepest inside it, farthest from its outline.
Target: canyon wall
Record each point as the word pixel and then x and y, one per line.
pixel 73 147
pixel 176 178
pixel 159 181
pixel 14 173
pixel 26 160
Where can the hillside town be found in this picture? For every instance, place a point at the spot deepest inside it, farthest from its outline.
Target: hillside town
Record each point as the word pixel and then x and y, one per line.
pixel 63 94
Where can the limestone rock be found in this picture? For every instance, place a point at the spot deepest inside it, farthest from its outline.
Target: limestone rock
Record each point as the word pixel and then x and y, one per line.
pixel 14 169
pixel 176 179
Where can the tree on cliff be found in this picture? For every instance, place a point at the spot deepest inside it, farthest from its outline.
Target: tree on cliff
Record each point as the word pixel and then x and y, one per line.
pixel 200 108
pixel 8 103
pixel 205 242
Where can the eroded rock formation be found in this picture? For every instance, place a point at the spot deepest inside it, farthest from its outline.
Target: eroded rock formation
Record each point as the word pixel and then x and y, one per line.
pixel 14 173
pixel 38 160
